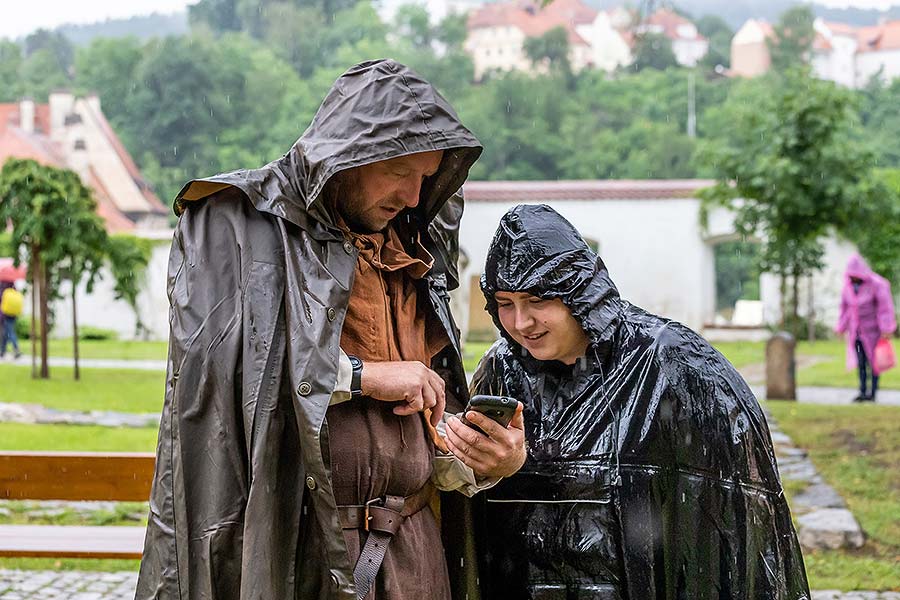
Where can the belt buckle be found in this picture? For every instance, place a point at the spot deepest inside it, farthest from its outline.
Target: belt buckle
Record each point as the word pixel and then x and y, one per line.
pixel 369 518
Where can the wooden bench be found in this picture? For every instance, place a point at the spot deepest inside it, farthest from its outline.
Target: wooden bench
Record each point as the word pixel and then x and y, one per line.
pixel 74 476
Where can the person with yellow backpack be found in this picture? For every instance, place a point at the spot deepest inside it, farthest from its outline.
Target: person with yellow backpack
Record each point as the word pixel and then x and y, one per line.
pixel 11 303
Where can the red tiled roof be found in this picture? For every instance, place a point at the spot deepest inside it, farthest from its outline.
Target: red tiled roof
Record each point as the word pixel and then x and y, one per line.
pixel 532 20
pixel 821 43
pixel 155 204
pixel 879 38
pixel 15 143
pixel 586 189
pixel 116 221
pixel 669 21
pixel 842 29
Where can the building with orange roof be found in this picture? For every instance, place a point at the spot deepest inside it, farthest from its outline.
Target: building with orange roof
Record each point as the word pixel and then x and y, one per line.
pixel 72 132
pixel 688 44
pixel 842 53
pixel 497 34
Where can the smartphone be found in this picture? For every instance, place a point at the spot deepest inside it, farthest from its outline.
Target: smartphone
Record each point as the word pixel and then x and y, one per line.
pixel 499 408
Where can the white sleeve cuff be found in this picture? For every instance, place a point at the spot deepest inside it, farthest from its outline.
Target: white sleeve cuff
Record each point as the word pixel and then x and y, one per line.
pixel 341 392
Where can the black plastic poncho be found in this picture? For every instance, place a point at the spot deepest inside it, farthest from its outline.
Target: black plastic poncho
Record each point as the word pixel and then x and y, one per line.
pixel 651 472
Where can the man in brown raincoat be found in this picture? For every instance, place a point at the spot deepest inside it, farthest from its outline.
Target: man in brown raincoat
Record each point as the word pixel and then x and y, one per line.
pixel 311 354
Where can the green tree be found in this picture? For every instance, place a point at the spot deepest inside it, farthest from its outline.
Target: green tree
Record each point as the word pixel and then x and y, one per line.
pixel 10 65
pixel 128 259
pixel 877 231
pixel 719 34
pixel 791 173
pixel 793 37
pixel 56 230
pixel 413 23
pixel 41 73
pixel 880 120
pixel 550 50
pixel 107 67
pixel 452 30
pixel 219 15
pixel 653 51
pixel 55 43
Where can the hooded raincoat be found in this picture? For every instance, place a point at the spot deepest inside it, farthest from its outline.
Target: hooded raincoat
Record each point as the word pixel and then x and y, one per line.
pixel 866 314
pixel 259 279
pixel 651 473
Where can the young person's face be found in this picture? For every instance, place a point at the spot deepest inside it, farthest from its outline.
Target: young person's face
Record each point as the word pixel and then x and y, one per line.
pixel 545 328
pixel 370 196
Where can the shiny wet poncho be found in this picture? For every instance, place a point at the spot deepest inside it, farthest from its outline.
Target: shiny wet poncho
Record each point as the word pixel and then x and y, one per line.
pixel 651 472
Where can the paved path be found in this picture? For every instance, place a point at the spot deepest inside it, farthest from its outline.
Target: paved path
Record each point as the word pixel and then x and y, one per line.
pixel 830 395
pixel 94 363
pixel 80 585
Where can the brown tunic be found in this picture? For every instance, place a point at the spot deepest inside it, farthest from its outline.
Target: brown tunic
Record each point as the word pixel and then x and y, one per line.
pixel 373 451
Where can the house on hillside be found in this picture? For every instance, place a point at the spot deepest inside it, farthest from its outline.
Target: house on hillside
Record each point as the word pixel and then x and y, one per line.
pixel 71 132
pixel 846 54
pixel 687 43
pixel 497 34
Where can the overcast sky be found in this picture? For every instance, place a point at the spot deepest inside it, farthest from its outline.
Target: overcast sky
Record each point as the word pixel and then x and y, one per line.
pixel 23 17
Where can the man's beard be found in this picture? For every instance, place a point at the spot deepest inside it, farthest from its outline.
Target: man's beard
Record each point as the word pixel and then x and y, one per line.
pixel 343 197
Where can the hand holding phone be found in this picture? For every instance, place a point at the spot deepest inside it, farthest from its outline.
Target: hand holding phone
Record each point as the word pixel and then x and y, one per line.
pixel 498 408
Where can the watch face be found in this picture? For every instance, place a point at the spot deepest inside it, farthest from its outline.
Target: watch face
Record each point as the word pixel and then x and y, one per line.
pixel 355 362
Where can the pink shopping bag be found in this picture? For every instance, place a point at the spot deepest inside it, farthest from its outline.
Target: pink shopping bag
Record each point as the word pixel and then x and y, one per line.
pixel 884 356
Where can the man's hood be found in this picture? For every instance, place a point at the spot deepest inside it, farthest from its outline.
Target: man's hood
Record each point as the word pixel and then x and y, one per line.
pixel 537 251
pixel 375 111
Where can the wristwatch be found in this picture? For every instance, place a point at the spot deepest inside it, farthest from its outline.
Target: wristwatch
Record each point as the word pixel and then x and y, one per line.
pixel 356 380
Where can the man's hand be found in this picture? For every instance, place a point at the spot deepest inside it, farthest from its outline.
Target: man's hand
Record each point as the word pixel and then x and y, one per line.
pixel 500 453
pixel 410 382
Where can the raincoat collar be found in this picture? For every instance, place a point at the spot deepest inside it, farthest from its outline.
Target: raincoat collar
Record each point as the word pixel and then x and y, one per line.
pixel 376 110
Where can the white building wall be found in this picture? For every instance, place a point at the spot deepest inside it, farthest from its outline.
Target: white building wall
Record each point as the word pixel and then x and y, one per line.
pixel 653 249
pixel 658 255
pixel 608 50
pixel 101 309
pixel 497 48
pixel 689 52
pixel 869 63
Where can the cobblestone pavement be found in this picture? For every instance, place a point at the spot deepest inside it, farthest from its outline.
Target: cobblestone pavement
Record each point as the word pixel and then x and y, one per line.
pixel 66 585
pixel 79 585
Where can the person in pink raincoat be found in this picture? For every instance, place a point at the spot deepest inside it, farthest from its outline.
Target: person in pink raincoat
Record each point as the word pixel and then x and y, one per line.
pixel 867 314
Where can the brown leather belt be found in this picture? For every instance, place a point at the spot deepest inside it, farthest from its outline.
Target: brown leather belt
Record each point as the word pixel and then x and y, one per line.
pixel 381 518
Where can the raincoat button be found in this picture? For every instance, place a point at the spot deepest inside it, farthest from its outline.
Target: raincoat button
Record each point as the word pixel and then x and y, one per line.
pixel 310 483
pixel 304 389
pixel 348 247
pixel 331 314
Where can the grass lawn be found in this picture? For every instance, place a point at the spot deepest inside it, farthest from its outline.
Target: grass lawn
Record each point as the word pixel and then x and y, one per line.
pixel 115 349
pixel 16 436
pixel 99 389
pixel 830 372
pixel 121 350
pixel 69 564
pixel 857 451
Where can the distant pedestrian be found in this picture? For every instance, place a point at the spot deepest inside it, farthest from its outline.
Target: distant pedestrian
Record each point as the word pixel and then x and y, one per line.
pixel 11 302
pixel 867 314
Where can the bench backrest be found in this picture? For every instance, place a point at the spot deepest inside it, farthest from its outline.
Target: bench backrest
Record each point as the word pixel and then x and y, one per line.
pixel 76 476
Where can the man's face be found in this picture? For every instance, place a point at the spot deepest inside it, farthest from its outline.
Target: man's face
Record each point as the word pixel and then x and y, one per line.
pixel 371 195
pixel 544 327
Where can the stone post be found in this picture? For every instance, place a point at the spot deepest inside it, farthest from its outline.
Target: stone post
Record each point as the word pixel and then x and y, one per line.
pixel 781 380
